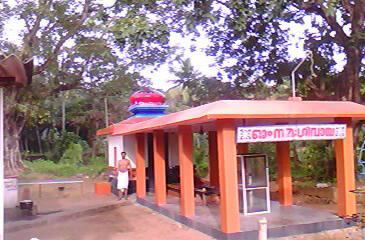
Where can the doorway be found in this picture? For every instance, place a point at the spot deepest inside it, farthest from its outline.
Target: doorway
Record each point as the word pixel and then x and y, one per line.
pixel 253 184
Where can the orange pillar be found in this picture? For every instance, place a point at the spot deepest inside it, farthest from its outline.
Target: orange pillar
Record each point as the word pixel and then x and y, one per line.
pixel 284 173
pixel 344 148
pixel 140 164
pixel 228 182
pixel 213 159
pixel 186 161
pixel 159 166
pixel 242 148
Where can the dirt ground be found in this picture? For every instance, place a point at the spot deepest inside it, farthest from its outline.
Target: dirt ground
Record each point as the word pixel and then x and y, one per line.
pixel 136 222
pixel 343 234
pixel 320 198
pixel 127 222
pixel 53 200
pixel 73 196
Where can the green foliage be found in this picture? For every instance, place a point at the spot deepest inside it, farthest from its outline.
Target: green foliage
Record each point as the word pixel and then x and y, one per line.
pixel 250 40
pixel 54 145
pixel 269 150
pixel 51 168
pixel 57 144
pixel 140 33
pixel 81 33
pixel 178 99
pixel 200 155
pixel 308 183
pixel 93 169
pixel 200 162
pixel 195 89
pixel 72 155
pixel 315 161
pixel 311 161
pixel 202 89
pixel 69 138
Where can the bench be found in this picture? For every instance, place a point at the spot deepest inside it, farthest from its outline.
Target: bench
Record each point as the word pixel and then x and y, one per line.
pixel 202 192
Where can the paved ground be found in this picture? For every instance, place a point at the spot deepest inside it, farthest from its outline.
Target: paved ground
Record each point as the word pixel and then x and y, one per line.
pixel 127 222
pixel 278 217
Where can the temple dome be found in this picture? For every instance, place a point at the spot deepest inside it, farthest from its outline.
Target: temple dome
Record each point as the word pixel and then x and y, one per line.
pixel 147 96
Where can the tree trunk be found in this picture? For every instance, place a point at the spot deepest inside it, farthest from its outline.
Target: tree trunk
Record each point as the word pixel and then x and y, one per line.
pixel 26 146
pixel 63 112
pixel 92 138
pixel 12 158
pixel 354 50
pixel 106 112
pixel 352 70
pixel 39 140
pixel 13 125
pixel 78 130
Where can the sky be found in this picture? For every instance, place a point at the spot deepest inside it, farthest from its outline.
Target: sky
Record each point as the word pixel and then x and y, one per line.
pixel 203 63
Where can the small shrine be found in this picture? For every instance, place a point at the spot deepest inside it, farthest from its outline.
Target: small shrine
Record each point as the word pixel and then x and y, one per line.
pixel 147 103
pixel 239 179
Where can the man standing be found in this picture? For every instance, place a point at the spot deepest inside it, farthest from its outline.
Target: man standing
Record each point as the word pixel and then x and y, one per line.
pixel 123 176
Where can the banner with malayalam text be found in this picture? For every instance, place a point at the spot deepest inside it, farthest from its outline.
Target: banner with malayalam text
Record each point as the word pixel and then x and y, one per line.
pixel 277 133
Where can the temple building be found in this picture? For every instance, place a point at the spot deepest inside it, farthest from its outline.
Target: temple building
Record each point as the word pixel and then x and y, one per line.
pixel 161 147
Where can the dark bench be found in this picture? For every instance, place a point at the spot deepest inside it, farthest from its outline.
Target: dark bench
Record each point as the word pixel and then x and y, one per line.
pixel 202 191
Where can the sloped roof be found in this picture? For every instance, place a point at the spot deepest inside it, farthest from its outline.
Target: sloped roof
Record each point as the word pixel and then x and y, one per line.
pixel 14 72
pixel 247 109
pixel 123 124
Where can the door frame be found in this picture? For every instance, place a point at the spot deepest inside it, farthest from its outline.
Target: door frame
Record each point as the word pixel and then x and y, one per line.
pixel 244 189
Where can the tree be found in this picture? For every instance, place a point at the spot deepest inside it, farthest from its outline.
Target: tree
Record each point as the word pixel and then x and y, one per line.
pixel 249 39
pixel 194 89
pixel 201 89
pixel 339 27
pixel 345 27
pixel 86 107
pixel 49 25
pixel 71 53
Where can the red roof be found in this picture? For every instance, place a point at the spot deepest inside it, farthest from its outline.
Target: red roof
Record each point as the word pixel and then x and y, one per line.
pixel 123 124
pixel 247 109
pixel 133 120
pixel 14 72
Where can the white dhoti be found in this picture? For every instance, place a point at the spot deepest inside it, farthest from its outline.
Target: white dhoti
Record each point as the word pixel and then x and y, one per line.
pixel 123 180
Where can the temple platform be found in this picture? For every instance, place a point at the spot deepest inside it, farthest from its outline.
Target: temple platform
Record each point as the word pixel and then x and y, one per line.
pixel 282 221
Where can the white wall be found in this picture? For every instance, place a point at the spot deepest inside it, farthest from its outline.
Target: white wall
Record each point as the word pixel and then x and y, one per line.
pixel 122 144
pixel 129 143
pixel 114 141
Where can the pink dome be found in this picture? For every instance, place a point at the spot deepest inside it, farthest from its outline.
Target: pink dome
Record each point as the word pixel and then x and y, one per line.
pixel 147 96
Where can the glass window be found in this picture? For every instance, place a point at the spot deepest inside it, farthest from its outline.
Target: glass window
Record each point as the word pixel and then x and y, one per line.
pixel 256 200
pixel 255 171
